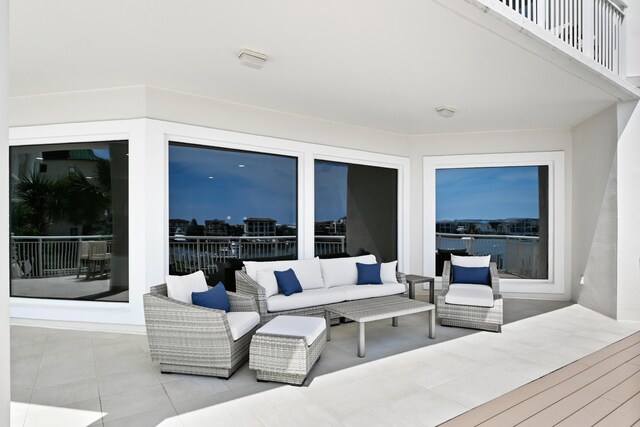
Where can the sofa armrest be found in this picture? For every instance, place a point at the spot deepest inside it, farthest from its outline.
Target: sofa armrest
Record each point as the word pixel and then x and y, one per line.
pixel 402 278
pixel 446 277
pixel 242 302
pixel 245 285
pixel 177 329
pixel 495 278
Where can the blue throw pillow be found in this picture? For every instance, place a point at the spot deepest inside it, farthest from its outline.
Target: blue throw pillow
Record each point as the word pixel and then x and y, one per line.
pixel 471 275
pixel 215 297
pixel 368 274
pixel 288 282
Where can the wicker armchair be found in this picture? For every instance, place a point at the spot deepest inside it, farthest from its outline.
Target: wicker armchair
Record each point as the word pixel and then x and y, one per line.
pixel 189 339
pixel 469 316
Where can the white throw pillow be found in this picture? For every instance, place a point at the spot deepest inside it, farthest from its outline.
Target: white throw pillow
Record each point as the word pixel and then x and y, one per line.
pixel 471 261
pixel 268 281
pixel 307 270
pixel 388 272
pixel 343 271
pixel 181 287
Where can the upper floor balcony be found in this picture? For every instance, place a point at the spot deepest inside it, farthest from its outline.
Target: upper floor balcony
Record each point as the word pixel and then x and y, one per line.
pixel 594 27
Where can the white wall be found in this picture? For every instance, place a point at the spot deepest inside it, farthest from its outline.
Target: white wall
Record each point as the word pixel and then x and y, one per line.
pixel 484 143
pixel 628 208
pixel 151 102
pixel 632 19
pixel 594 221
pixel 5 377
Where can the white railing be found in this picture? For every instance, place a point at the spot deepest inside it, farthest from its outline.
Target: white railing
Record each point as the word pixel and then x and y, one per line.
pixel 593 27
pixel 48 256
pixel 192 253
pixel 330 244
pixel 514 255
pixel 54 256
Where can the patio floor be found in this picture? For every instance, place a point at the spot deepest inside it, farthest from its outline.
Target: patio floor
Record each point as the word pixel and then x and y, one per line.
pixel 78 378
pixel 601 389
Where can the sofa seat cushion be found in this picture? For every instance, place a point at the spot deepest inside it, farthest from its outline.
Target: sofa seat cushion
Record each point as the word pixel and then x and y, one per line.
pixel 241 322
pixel 355 292
pixel 307 271
pixel 469 294
pixel 343 271
pixel 298 326
pixel 307 298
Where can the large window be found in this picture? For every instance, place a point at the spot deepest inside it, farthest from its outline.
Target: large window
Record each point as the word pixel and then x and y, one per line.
pixel 229 205
pixel 69 221
pixel 508 205
pixel 356 210
pixel 497 211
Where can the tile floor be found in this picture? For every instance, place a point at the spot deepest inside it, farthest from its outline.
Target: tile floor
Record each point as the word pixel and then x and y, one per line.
pixel 77 378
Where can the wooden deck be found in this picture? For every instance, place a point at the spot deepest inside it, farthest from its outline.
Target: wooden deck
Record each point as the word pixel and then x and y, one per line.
pixel 601 389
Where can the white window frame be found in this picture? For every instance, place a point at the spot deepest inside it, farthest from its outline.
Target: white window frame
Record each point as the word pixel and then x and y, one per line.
pixel 555 283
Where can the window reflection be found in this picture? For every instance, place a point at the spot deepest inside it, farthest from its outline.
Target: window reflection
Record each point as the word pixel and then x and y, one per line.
pixel 69 221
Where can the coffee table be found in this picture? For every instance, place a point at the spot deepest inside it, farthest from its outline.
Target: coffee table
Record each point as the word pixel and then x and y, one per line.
pixel 368 310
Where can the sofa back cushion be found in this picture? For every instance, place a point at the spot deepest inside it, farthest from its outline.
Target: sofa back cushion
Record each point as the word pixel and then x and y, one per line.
pixel 388 272
pixel 471 261
pixel 181 287
pixel 343 271
pixel 267 279
pixel 307 271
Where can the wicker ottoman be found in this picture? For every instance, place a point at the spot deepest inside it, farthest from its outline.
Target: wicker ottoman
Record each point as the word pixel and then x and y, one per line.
pixel 285 349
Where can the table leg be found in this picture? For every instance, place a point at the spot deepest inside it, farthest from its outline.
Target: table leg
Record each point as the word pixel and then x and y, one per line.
pixel 327 318
pixel 432 324
pixel 412 290
pixel 432 290
pixel 394 321
pixel 361 339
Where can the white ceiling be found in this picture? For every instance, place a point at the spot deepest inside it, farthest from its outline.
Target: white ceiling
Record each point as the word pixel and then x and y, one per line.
pixel 382 64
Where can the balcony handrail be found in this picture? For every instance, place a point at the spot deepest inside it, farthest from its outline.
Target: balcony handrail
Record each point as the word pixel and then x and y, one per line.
pixel 83 237
pixel 489 236
pixel 596 28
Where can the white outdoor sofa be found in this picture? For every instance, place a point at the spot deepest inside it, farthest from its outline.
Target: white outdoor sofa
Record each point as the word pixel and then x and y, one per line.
pixel 324 281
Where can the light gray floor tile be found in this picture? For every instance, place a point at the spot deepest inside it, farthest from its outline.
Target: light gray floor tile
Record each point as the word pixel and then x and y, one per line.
pixel 59 395
pixel 193 387
pixel 64 374
pixel 164 416
pixel 135 402
pixel 427 407
pixel 81 413
pixel 127 382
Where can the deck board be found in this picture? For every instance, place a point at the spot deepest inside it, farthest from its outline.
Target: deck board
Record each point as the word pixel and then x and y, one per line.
pixel 602 387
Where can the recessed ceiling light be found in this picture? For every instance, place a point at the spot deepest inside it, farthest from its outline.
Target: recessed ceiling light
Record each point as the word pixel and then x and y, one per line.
pixel 252 59
pixel 240 166
pixel 446 111
pixel 210 177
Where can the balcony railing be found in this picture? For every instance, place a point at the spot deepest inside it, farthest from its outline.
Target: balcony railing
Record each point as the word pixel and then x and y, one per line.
pixel 55 256
pixel 516 256
pixel 192 253
pixel 49 256
pixel 593 27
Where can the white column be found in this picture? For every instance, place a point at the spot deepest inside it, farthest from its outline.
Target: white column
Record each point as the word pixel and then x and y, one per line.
pixel 628 208
pixel 5 374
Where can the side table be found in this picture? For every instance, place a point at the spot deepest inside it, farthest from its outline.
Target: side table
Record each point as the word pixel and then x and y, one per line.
pixel 414 279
